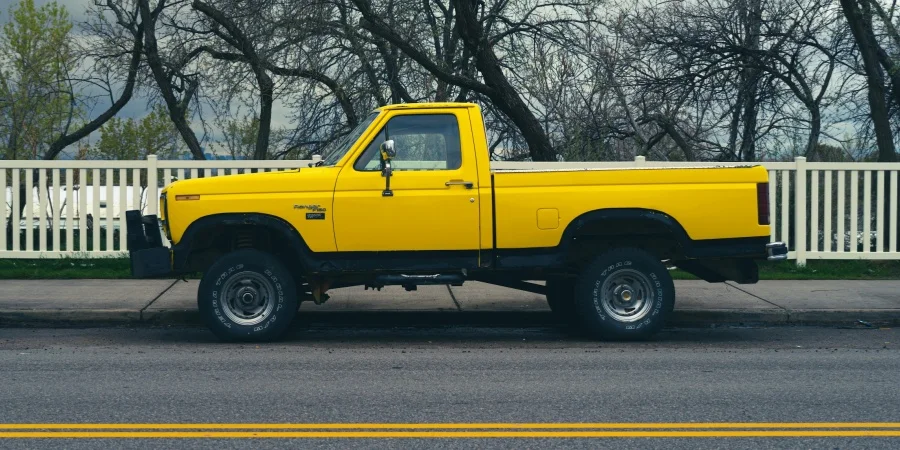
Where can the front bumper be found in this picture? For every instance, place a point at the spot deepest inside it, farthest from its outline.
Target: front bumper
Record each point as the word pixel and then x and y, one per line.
pixel 149 257
pixel 776 251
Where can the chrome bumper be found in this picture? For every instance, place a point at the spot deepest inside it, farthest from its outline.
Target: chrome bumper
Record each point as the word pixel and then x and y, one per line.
pixel 776 251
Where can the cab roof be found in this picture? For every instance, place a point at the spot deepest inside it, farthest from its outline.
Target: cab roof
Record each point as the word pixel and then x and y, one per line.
pixel 433 105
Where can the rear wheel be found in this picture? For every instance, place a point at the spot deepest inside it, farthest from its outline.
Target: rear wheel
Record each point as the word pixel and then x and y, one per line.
pixel 624 294
pixel 247 295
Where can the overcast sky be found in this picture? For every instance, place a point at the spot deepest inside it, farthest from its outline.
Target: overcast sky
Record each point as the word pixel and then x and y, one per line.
pixel 78 10
pixel 138 106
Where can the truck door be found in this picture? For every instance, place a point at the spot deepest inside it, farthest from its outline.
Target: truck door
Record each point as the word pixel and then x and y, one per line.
pixel 435 203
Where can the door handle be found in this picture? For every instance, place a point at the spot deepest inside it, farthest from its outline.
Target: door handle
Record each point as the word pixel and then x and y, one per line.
pixel 467 184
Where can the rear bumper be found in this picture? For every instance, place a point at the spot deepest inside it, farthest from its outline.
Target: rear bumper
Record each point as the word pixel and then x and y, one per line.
pixel 149 257
pixel 757 247
pixel 733 260
pixel 776 251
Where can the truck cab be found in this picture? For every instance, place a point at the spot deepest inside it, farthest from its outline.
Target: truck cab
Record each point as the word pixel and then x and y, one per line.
pixel 409 198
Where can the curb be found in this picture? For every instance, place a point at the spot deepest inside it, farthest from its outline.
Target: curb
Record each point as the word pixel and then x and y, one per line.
pixel 711 317
pixel 400 318
pixel 883 317
pixel 72 317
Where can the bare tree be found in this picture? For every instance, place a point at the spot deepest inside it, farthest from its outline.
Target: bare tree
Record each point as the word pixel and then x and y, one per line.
pixel 171 80
pixel 859 19
pixel 572 79
pixel 750 55
pixel 473 23
pixel 129 22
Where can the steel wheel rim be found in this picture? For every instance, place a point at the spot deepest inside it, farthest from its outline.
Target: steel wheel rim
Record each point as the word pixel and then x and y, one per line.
pixel 627 295
pixel 248 298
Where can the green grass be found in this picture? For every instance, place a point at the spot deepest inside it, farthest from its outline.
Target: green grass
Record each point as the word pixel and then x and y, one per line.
pixel 45 269
pixel 831 270
pixel 119 268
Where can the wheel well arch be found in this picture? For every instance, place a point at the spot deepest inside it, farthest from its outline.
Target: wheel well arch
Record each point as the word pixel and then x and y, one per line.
pixel 209 237
pixel 597 230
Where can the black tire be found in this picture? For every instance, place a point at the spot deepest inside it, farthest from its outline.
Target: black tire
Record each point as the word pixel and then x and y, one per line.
pixel 561 299
pixel 261 279
pixel 624 294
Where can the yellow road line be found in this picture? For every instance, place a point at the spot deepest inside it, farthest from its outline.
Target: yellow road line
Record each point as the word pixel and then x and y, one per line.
pixel 450 434
pixel 443 426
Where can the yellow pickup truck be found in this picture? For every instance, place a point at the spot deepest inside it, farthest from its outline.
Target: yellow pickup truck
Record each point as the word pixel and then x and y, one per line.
pixel 409 198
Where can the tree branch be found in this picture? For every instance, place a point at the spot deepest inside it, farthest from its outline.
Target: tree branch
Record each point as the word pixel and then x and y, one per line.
pixel 65 140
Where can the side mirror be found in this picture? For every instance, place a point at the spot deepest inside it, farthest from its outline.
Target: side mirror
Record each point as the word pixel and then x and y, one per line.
pixel 387 150
pixel 386 153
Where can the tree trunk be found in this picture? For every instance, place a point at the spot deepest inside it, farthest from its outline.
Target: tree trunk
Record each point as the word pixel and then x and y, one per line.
pixel 886 62
pixel 266 87
pixel 266 91
pixel 861 27
pixel 752 18
pixel 177 110
pixel 734 125
pixel 748 141
pixel 815 129
pixel 860 21
pixel 503 94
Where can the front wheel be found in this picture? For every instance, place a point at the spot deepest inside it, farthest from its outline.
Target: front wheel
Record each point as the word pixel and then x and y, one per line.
pixel 247 295
pixel 624 294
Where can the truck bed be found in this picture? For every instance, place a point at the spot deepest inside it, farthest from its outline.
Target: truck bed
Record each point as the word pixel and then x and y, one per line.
pixel 708 202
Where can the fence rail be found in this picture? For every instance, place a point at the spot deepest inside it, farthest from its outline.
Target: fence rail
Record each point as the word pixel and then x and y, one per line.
pixel 76 208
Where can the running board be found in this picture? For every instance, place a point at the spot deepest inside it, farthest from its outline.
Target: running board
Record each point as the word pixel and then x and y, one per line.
pixel 409 282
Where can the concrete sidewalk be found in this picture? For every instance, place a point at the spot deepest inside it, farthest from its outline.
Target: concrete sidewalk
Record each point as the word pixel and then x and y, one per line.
pixel 164 302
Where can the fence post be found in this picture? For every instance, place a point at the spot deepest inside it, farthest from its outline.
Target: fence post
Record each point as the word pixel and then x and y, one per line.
pixel 640 161
pixel 152 186
pixel 800 225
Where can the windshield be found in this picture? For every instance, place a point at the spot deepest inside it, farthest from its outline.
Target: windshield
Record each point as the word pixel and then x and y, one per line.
pixel 334 151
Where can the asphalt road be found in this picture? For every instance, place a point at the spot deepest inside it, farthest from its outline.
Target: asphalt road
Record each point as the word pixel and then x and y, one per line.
pixel 430 376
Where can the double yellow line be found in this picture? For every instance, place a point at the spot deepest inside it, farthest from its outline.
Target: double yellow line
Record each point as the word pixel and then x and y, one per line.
pixel 451 430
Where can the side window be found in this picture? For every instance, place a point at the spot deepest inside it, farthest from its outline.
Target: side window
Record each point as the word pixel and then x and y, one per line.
pixel 422 142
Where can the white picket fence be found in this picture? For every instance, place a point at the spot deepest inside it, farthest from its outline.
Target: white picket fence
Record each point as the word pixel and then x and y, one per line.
pixel 76 208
